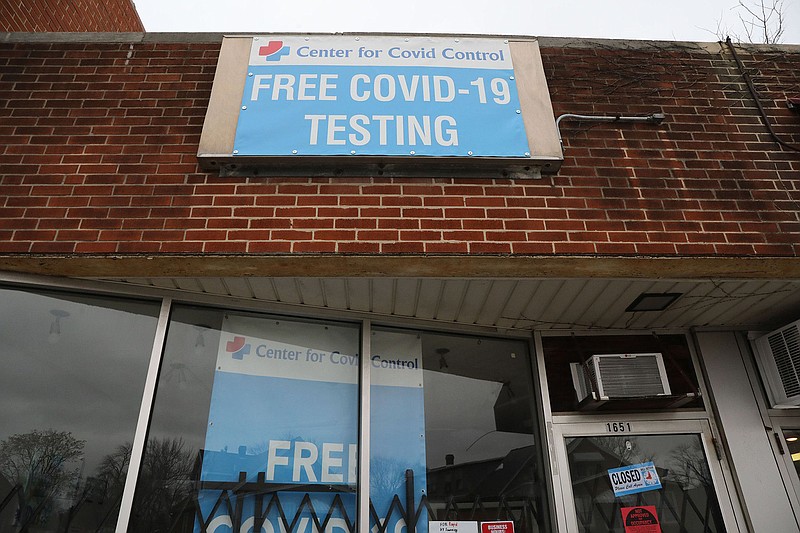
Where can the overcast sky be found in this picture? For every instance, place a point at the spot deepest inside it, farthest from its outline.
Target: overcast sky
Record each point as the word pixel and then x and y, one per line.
pixel 684 20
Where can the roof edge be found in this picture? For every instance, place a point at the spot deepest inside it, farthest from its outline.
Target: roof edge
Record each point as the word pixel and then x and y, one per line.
pixel 213 37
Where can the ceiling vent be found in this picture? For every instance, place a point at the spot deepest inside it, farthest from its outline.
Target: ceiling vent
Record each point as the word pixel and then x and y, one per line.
pixel 779 358
pixel 611 376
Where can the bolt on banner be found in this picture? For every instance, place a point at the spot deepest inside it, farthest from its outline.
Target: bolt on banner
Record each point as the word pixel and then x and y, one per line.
pixel 281 444
pixel 380 96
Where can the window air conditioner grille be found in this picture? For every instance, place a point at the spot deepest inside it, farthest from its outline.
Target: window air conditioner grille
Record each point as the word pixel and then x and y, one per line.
pixel 628 375
pixel 634 376
pixel 610 376
pixel 785 347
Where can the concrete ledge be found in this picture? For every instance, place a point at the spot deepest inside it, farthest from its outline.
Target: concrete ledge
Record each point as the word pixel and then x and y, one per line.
pixel 531 267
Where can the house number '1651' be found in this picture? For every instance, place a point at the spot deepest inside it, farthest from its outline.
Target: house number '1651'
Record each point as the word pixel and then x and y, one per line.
pixel 618 427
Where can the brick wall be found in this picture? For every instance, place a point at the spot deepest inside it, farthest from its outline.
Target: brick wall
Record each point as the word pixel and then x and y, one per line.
pixel 98 144
pixel 69 16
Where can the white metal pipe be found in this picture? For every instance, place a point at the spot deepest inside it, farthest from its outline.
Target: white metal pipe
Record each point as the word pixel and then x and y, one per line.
pixel 652 118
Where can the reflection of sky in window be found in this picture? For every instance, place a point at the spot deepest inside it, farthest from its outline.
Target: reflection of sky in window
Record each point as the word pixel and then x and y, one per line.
pixel 671 453
pixel 187 371
pixel 87 380
pixel 460 420
pixel 459 399
pixel 184 392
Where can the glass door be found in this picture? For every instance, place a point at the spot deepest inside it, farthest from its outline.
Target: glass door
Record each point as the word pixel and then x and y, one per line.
pixel 630 476
pixel 787 434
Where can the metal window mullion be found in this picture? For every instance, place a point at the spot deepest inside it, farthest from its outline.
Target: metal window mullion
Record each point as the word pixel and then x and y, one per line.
pixel 362 507
pixel 137 448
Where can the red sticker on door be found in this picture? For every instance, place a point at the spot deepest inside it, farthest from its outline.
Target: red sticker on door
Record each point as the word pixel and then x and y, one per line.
pixel 497 527
pixel 641 519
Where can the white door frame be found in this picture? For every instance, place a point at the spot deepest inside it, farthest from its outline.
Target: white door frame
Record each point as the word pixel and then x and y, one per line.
pixel 628 425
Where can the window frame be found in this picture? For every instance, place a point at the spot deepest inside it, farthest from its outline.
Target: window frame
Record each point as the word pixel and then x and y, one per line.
pixel 365 321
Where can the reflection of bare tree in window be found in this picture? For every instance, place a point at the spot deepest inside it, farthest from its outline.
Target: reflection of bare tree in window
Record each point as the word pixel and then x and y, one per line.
pixel 114 468
pixel 164 484
pixel 625 448
pixel 387 476
pixel 110 479
pixel 39 463
pixel 689 467
pixel 262 448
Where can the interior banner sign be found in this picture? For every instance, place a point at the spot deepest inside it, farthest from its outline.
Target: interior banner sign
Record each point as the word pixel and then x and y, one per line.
pixel 281 442
pixel 380 96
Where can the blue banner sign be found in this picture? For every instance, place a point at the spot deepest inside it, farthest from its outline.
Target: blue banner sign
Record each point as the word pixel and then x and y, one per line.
pixel 380 96
pixel 281 444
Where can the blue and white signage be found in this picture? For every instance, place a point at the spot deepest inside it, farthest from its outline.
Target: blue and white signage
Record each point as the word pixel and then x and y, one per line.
pixel 380 96
pixel 634 478
pixel 284 413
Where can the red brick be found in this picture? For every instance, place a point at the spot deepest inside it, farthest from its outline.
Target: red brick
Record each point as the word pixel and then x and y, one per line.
pixel 359 200
pixel 380 212
pixel 402 247
pixel 440 224
pixel 506 236
pixel 433 201
pixel 95 247
pixel 398 223
pixel 317 200
pixel 225 247
pixel 314 247
pixel 181 247
pixel 296 212
pixel 401 200
pixel 378 235
pixel 574 248
pixel 52 247
pixel 360 223
pixel 291 235
pixel 532 248
pixel 465 212
pixel 34 235
pixel 281 223
pixel 358 247
pixel 489 248
pixel 427 235
pixel 334 235
pixel 482 224
pixel 140 247
pixel 269 247
pixel 101 223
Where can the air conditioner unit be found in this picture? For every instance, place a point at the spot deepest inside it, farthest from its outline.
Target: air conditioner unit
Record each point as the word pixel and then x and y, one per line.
pixel 629 375
pixel 778 354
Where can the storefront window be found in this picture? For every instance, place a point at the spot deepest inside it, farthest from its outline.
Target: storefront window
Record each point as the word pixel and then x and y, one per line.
pixel 72 373
pixel 454 433
pixel 254 427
